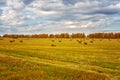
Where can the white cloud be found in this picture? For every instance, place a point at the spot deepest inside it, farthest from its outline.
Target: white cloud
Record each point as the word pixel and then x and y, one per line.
pixel 87 4
pixel 31 28
pixel 44 7
pixel 11 12
pixel 114 6
pixel 16 23
pixel 15 4
pixel 8 14
pixel 72 26
pixel 41 12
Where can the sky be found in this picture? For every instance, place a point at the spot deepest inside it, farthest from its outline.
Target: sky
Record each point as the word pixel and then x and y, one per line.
pixel 59 16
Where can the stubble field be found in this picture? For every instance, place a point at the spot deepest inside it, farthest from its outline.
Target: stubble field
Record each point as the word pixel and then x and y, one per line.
pixel 59 59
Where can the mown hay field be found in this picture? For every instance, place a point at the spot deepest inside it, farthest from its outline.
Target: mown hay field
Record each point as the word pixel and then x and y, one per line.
pixel 59 59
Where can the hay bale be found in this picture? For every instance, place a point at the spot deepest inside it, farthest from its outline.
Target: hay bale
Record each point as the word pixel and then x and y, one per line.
pixel 11 41
pixel 52 40
pixel 85 43
pixel 91 41
pixel 53 45
pixel 21 41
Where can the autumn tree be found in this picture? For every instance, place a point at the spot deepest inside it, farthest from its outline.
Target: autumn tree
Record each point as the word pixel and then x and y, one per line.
pixel 51 36
pixel 78 35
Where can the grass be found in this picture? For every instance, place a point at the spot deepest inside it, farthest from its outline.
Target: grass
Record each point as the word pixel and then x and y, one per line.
pixel 36 59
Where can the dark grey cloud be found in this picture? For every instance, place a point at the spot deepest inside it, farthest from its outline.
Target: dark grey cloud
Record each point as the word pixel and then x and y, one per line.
pixel 104 11
pixel 28 1
pixel 107 11
pixel 70 2
pixel 2 3
pixel 1 23
pixel 0 11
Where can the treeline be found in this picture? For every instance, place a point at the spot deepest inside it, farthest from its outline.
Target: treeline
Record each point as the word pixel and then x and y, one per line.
pixel 62 35
pixel 66 35
pixel 104 35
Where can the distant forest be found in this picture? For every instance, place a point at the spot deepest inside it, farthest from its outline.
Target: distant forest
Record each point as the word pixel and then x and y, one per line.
pixel 66 35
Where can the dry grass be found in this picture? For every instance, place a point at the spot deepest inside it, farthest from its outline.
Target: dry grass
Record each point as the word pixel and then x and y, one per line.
pixel 35 59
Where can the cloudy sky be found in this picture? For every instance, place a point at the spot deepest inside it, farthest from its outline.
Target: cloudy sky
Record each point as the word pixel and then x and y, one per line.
pixel 56 16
